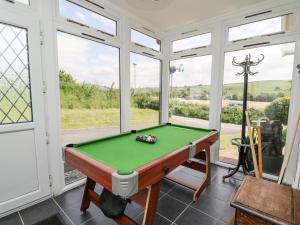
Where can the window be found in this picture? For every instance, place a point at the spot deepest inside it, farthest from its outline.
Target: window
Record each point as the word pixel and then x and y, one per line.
pixel 264 27
pixel 190 81
pixel 89 92
pixel 145 74
pixel 15 90
pixel 145 40
pixel 269 93
pixel 84 17
pixel 198 41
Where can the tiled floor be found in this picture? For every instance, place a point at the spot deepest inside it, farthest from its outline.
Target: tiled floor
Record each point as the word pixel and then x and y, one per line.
pixel 175 206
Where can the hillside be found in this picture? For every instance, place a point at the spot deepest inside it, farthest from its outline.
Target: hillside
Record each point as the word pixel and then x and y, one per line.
pixel 256 88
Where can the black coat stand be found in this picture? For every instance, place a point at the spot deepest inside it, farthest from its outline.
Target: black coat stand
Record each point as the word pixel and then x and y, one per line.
pixel 246 64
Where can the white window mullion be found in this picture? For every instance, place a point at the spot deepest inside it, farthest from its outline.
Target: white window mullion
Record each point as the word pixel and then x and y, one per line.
pixel 165 75
pixel 295 104
pixel 216 84
pixel 125 75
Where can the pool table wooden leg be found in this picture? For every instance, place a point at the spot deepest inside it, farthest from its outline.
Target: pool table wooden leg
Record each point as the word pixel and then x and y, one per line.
pixel 207 179
pixel 151 205
pixel 90 185
pixel 205 168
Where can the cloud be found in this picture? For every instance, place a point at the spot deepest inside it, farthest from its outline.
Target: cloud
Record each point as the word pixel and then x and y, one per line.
pixel 197 71
pixel 89 61
pixel 192 42
pixel 97 63
pixel 147 71
pixel 275 66
pixel 81 17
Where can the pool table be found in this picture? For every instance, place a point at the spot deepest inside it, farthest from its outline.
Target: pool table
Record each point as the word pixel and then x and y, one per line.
pixel 133 169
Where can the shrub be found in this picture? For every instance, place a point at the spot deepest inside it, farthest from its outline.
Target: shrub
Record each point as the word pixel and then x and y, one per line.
pixel 278 110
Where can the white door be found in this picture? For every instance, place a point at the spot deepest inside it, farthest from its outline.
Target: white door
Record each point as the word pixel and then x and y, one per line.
pixel 23 149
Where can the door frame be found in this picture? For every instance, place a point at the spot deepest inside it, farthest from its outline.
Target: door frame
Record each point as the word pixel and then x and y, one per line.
pixel 38 110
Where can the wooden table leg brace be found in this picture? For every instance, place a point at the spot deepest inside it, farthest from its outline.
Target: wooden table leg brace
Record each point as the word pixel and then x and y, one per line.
pixel 203 166
pixel 150 208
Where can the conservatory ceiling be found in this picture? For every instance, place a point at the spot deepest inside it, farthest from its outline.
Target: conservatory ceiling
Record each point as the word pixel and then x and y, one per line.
pixel 167 14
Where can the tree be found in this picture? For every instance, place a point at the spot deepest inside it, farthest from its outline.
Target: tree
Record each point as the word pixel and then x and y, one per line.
pixel 278 110
pixel 65 77
pixel 277 88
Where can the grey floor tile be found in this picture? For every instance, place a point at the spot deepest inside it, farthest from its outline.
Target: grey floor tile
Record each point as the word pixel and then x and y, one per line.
pixel 220 223
pixel 11 219
pixel 193 217
pixel 133 210
pixel 183 194
pixel 226 214
pixel 39 212
pixel 166 185
pixel 79 217
pixel 170 208
pixel 219 191
pixel 101 219
pixel 228 183
pixel 57 219
pixel 159 220
pixel 210 206
pixel 69 198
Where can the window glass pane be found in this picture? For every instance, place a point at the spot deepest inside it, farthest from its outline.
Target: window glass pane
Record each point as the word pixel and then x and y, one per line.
pixel 89 91
pixel 192 42
pixel 263 27
pixel 26 2
pixel 145 91
pixel 190 81
pixel 15 90
pixel 145 40
pixel 269 93
pixel 84 16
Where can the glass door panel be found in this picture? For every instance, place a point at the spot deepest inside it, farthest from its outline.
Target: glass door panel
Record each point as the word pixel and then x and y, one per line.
pixel 269 93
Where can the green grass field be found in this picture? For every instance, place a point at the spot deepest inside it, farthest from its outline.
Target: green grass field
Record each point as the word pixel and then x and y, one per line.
pixel 225 141
pixel 97 118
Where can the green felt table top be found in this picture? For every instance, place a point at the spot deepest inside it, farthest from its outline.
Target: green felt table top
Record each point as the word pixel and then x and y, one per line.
pixel 125 154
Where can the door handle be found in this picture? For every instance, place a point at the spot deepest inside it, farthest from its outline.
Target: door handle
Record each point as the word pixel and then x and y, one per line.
pixel 298 67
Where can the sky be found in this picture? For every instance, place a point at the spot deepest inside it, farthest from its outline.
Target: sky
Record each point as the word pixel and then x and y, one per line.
pixel 192 42
pixel 98 63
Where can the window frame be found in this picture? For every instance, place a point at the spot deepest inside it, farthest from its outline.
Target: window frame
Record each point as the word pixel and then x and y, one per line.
pixel 191 32
pixel 252 18
pixel 144 46
pixel 31 8
pixel 144 50
pixel 226 46
pixel 63 23
pixel 195 48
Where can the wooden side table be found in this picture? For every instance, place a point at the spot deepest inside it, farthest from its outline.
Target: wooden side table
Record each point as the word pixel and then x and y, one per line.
pixel 262 202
